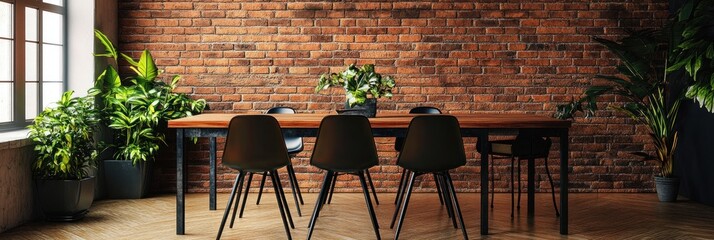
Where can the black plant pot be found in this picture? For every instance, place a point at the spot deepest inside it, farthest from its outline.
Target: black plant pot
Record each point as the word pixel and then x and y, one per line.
pixel 65 200
pixel 368 109
pixel 123 180
pixel 667 188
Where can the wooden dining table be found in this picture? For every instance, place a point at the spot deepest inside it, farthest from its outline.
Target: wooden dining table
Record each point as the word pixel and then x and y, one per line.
pixel 213 125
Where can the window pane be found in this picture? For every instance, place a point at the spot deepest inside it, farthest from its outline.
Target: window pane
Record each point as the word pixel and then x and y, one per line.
pixel 6 60
pixel 31 62
pixel 6 20
pixel 52 27
pixel 54 2
pixel 5 102
pixel 30 100
pixel 51 93
pixel 52 63
pixel 31 24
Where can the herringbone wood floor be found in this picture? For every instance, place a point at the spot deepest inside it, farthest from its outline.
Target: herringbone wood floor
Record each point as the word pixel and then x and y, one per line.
pixel 593 216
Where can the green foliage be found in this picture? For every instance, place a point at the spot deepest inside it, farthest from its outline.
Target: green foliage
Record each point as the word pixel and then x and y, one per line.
pixel 359 83
pixel 692 48
pixel 139 106
pixel 642 83
pixel 64 138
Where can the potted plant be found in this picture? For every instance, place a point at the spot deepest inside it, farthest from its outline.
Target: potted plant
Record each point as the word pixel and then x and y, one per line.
pixel 359 84
pixel 646 59
pixel 66 149
pixel 137 109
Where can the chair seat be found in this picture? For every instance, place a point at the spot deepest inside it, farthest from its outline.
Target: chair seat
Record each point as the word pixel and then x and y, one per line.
pixel 505 148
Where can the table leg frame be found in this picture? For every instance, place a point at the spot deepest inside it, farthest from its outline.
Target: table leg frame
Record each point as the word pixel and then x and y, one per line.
pixel 564 181
pixel 212 174
pixel 483 140
pixel 180 184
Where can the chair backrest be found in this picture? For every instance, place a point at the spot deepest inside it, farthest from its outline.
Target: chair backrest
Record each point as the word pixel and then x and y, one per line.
pixel 294 144
pixel 433 144
pixel 344 144
pixel 255 144
pixel 399 141
pixel 527 145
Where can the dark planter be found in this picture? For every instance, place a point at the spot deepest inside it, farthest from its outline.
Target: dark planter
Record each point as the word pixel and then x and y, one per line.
pixel 667 188
pixel 124 180
pixel 65 200
pixel 368 109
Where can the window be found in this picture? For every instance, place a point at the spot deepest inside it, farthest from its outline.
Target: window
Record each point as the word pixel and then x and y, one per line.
pixel 32 55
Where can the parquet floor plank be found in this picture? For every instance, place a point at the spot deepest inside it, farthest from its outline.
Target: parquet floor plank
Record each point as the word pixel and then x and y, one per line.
pixel 593 216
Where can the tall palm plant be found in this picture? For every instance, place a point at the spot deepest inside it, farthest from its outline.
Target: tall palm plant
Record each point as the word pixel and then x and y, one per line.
pixel 642 82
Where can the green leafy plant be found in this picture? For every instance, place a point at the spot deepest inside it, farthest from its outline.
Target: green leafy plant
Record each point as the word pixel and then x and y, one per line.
pixel 358 83
pixel 139 106
pixel 642 83
pixel 64 139
pixel 692 48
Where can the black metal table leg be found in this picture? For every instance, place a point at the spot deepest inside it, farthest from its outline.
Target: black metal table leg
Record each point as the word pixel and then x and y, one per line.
pixel 531 188
pixel 564 181
pixel 212 174
pixel 483 140
pixel 180 184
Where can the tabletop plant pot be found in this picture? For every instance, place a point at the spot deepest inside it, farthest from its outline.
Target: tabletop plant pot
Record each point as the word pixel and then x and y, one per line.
pixel 368 109
pixel 123 180
pixel 667 188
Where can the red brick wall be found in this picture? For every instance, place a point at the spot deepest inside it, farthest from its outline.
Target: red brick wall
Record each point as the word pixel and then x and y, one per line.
pixel 462 57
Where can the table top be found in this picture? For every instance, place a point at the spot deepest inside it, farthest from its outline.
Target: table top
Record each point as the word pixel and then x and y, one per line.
pixel 308 120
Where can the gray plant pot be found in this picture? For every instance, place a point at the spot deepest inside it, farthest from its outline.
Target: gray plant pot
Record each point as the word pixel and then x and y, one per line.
pixel 65 200
pixel 122 180
pixel 667 188
pixel 368 109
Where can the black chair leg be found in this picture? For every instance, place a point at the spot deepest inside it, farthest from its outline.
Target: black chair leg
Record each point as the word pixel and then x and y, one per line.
pixel 552 187
pixel 282 197
pixel 372 216
pixel 400 189
pixel 457 208
pixel 447 200
pixel 245 195
pixel 318 204
pixel 400 199
pixel 371 185
pixel 296 189
pixel 281 201
pixel 228 206
pixel 449 203
pixel 292 181
pixel 332 188
pixel 260 192
pixel 405 205
pixel 235 207
pixel 437 183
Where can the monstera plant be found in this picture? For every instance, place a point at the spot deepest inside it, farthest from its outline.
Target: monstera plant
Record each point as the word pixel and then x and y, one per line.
pixel 137 107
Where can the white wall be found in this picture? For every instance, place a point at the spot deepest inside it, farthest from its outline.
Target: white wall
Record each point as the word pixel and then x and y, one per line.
pixel 80 45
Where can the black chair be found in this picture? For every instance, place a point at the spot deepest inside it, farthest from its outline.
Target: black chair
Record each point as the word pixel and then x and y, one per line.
pixel 345 145
pixel 294 146
pixel 399 143
pixel 255 144
pixel 433 145
pixel 524 146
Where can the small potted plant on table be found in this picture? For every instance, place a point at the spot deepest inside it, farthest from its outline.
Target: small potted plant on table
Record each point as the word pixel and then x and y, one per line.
pixel 359 84
pixel 66 149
